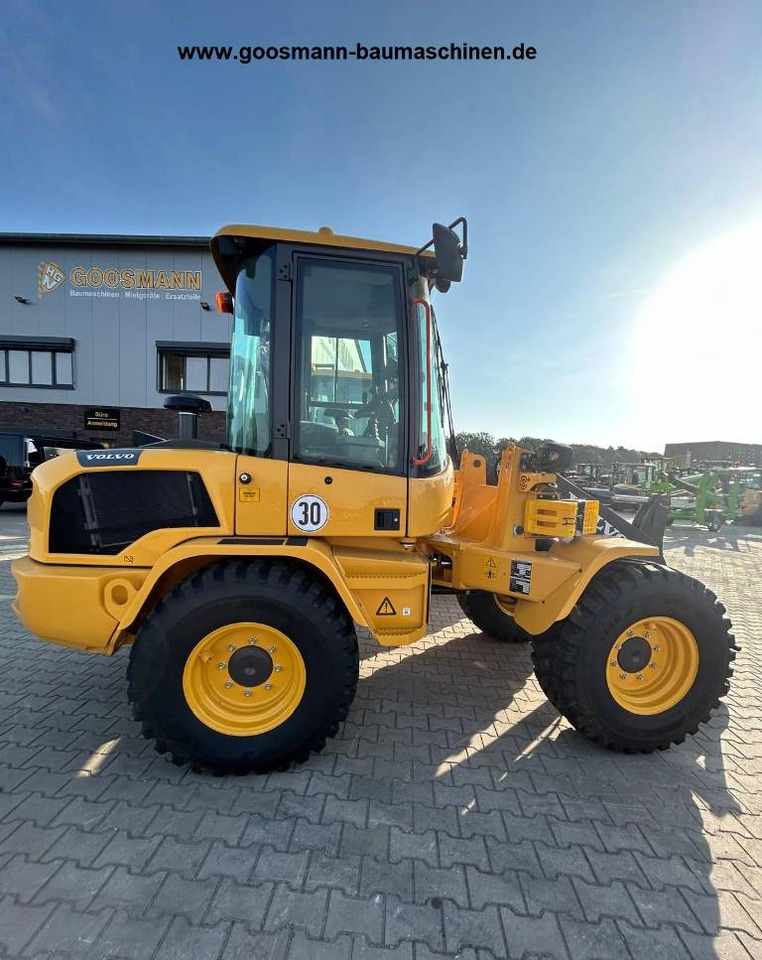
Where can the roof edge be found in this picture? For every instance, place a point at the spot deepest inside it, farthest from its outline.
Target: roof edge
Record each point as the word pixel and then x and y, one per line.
pixel 104 239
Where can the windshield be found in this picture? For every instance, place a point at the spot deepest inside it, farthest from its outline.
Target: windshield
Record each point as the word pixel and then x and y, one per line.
pixel 248 424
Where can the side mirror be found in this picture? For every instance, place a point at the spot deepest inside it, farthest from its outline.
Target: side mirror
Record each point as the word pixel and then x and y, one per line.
pixel 449 253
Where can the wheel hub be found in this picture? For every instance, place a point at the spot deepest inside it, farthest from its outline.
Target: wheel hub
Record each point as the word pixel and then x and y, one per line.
pixel 652 665
pixel 634 654
pixel 250 666
pixel 244 679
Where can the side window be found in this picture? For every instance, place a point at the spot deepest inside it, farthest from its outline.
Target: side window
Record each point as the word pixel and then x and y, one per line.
pixel 248 422
pixel 348 388
pixel 431 361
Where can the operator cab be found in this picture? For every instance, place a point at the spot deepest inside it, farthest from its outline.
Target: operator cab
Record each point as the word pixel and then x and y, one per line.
pixel 336 365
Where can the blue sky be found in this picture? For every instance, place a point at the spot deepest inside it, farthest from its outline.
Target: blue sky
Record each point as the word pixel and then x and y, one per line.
pixel 589 176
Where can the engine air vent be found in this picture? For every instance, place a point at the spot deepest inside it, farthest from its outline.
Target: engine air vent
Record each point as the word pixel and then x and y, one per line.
pixel 103 512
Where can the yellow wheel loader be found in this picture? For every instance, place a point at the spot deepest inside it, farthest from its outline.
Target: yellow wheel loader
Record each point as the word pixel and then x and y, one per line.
pixel 237 573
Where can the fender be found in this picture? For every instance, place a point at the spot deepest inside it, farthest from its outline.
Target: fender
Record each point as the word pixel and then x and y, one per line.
pixel 395 613
pixel 591 554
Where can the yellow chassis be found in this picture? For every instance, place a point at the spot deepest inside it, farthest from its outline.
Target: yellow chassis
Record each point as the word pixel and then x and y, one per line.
pixel 96 603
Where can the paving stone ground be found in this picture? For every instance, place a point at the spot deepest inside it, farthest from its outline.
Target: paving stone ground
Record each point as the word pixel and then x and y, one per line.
pixel 455 815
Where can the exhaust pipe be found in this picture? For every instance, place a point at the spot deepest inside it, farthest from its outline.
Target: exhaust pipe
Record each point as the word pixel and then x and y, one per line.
pixel 189 407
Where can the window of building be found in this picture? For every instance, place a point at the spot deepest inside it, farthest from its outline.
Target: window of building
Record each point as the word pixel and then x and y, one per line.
pixel 193 367
pixel 36 362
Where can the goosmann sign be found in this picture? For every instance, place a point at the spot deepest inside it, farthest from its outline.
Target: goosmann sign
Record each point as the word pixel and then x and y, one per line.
pixel 51 276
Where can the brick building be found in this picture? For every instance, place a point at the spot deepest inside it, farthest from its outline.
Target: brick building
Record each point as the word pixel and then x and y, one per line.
pixel 95 332
pixel 750 453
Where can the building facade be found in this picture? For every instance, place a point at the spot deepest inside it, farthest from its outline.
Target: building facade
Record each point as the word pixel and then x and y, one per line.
pixel 96 331
pixel 701 450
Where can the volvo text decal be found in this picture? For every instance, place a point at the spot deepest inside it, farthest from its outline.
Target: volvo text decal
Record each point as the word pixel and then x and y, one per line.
pixel 108 458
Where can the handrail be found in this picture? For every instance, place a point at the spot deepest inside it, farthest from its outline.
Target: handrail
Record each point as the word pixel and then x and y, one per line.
pixel 422 461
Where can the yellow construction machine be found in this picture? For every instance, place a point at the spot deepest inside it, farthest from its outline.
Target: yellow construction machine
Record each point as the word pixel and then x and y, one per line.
pixel 238 572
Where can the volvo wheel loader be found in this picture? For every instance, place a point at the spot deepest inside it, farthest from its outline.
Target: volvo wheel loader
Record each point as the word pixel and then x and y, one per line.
pixel 238 573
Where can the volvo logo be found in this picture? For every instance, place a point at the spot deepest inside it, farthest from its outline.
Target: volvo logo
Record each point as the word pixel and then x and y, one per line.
pixel 105 458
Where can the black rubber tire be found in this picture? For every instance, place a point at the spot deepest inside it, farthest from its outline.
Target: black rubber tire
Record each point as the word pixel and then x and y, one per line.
pixel 481 607
pixel 570 658
pixel 285 596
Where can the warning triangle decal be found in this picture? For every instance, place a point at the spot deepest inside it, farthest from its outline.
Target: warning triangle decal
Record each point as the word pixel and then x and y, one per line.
pixel 386 609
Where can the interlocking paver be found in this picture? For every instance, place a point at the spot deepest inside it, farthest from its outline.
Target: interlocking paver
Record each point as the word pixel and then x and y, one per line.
pixel 183 941
pixel 68 931
pixel 247 903
pixel 454 814
pixel 23 877
pixel 304 910
pixel 362 916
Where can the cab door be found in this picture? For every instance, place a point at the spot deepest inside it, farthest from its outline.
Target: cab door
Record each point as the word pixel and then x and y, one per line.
pixel 348 470
pixel 257 398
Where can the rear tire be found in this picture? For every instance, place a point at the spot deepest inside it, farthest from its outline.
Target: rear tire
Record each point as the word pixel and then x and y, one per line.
pixel 484 610
pixel 192 698
pixel 574 665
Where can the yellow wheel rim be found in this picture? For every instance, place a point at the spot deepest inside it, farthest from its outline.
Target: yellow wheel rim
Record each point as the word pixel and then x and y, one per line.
pixel 244 679
pixel 652 665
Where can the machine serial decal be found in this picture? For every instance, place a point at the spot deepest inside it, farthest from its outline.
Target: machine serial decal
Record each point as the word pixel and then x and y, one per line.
pixel 521 576
pixel 386 609
pixel 108 458
pixel 310 513
pixel 249 496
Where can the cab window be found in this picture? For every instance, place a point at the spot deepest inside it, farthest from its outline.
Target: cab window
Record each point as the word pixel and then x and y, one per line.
pixel 430 351
pixel 347 385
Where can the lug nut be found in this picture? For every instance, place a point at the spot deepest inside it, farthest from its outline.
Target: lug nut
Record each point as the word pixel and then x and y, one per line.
pixel 639 676
pixel 268 686
pixel 221 665
pixel 247 693
pixel 622 676
pixel 228 684
pixel 613 663
pixel 629 633
pixel 647 634
pixel 652 665
pixel 231 648
pixel 252 640
pixel 278 668
pixel 657 649
pixel 271 649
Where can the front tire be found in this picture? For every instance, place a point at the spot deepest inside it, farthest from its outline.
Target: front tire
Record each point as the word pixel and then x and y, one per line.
pixel 245 666
pixel 486 613
pixel 642 659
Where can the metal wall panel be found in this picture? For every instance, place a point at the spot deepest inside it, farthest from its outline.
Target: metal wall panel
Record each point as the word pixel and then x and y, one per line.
pixel 115 329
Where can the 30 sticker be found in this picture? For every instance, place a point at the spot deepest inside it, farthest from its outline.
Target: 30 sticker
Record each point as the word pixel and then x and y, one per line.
pixel 310 513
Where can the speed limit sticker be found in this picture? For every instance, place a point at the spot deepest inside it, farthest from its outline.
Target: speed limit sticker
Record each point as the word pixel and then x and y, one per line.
pixel 310 513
